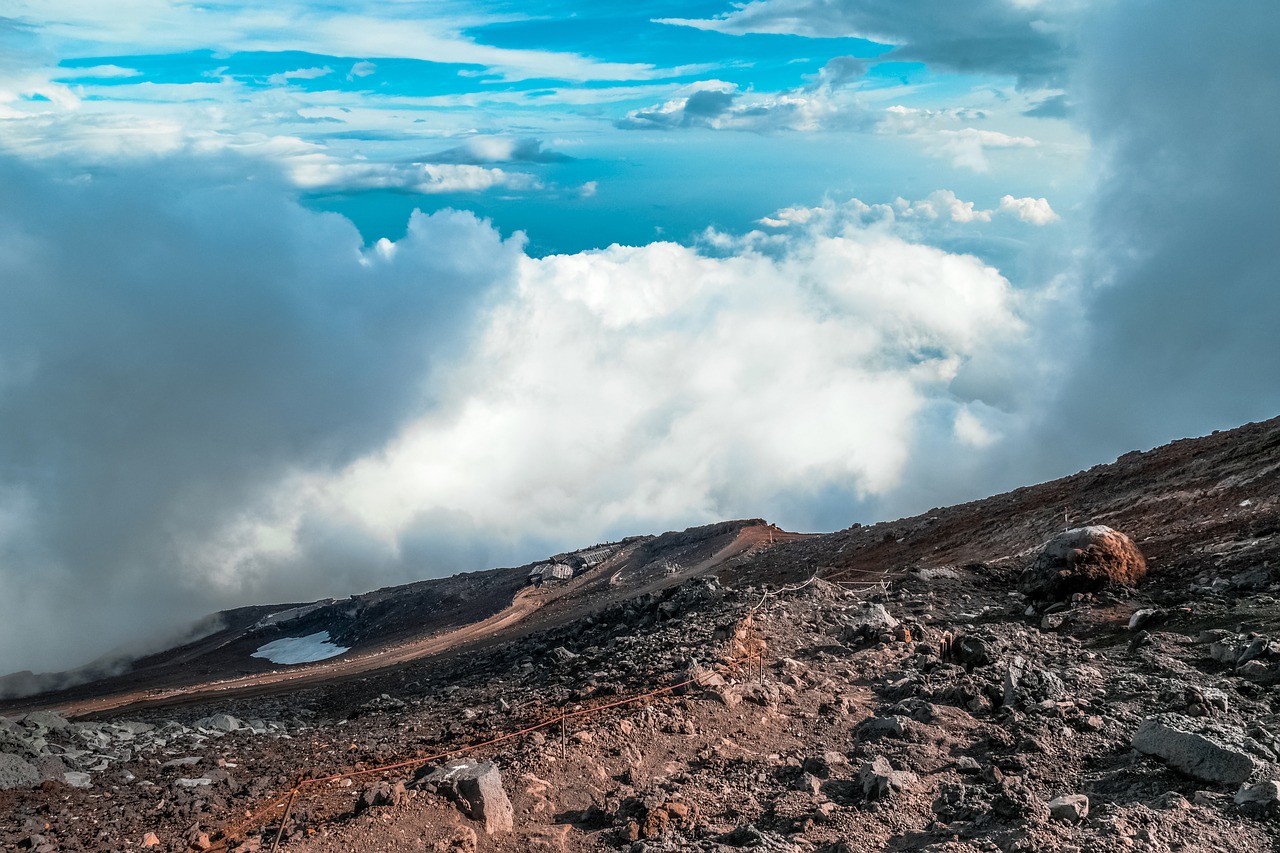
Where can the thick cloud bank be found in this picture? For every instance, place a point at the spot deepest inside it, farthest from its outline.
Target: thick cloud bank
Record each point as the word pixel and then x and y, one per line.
pixel 172 345
pixel 209 395
pixel 1180 102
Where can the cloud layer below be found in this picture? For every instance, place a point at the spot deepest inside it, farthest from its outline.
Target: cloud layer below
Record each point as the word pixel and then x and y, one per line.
pixel 214 396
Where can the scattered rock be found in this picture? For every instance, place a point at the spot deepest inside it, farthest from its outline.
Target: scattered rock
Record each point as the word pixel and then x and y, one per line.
pixel 1262 794
pixel 17 773
pixel 220 723
pixel 879 780
pixel 867 621
pixel 380 794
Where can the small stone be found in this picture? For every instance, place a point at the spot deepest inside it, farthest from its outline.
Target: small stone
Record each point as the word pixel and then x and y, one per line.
pixel 877 727
pixel 1053 621
pixel 809 783
pixel 150 840
pixel 1257 672
pixel 77 779
pixel 1071 808
pixel 1263 794
pixel 220 722
pixel 1171 801
pixel 878 779
pixel 1144 618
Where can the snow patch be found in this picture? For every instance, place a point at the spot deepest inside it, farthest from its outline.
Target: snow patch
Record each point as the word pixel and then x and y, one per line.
pixel 306 649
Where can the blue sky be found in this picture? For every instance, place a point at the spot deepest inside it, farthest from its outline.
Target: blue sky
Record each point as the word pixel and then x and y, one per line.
pixel 323 92
pixel 305 299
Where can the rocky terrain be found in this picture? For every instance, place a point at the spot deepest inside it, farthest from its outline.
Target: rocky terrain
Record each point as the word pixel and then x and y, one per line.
pixel 942 683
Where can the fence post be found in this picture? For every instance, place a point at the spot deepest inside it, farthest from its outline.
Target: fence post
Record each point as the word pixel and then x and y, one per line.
pixel 275 845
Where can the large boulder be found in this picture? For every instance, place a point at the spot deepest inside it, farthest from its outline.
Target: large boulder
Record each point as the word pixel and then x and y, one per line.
pixel 1083 560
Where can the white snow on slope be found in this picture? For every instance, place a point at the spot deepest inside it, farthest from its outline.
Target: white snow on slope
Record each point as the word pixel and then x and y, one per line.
pixel 306 649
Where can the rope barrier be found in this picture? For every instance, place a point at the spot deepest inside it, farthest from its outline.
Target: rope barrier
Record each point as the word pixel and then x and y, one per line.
pixel 228 833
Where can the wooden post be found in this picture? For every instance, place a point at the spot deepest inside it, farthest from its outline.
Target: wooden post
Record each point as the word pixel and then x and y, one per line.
pixel 275 845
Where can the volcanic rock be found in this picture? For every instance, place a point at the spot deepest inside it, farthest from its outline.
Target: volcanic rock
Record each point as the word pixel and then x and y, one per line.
pixel 16 773
pixel 1072 808
pixel 477 787
pixel 1085 559
pixel 878 779
pixel 1197 755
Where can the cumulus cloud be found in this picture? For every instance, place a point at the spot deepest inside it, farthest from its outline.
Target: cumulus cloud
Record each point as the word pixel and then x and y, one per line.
pixel 174 342
pixel 640 388
pixel 1037 211
pixel 323 172
pixel 1032 42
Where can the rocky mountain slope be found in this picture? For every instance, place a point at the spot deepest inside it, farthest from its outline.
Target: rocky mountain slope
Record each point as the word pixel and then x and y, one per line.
pixel 884 687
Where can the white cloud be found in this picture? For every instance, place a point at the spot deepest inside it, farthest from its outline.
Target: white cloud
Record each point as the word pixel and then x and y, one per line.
pixel 970 430
pixel 105 72
pixel 635 388
pixel 829 102
pixel 942 207
pixel 944 204
pixel 360 30
pixel 1034 210
pixel 363 68
pixel 319 171
pixel 284 77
